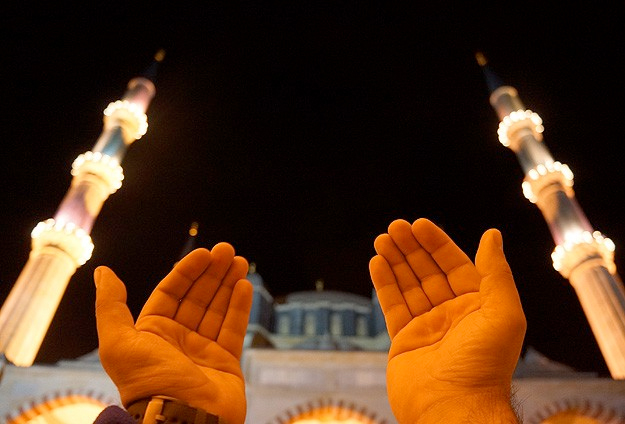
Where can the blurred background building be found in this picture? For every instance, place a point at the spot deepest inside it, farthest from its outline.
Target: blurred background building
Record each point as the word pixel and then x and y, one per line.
pixel 311 357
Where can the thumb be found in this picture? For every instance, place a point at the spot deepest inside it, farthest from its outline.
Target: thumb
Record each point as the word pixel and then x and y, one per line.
pixel 497 286
pixel 490 258
pixel 112 315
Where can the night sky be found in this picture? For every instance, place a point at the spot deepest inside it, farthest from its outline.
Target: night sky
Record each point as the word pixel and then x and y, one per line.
pixel 299 131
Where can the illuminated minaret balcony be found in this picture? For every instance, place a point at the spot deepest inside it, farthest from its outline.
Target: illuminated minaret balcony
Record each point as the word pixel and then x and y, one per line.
pixel 582 255
pixel 62 244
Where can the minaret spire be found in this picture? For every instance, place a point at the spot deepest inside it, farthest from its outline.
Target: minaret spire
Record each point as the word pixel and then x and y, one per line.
pixel 152 70
pixel 492 80
pixel 582 255
pixel 191 238
pixel 62 244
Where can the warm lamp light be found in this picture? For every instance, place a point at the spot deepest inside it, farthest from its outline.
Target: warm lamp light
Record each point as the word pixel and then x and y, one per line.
pixel 520 116
pixel 130 112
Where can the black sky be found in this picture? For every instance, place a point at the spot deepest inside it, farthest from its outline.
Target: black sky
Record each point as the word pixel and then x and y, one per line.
pixel 299 131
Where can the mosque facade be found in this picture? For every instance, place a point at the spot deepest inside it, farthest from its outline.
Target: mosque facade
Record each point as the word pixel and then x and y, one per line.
pixel 315 356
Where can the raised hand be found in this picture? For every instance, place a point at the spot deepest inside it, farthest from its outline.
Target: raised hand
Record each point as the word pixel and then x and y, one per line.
pixel 188 338
pixel 456 327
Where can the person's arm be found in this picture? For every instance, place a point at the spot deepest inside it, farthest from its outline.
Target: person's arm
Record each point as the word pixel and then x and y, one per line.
pixel 456 327
pixel 187 341
pixel 114 414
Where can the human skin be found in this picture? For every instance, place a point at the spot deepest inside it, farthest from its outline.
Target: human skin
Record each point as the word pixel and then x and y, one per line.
pixel 456 327
pixel 188 338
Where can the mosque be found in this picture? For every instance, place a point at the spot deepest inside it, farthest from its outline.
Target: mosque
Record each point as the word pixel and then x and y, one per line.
pixel 315 356
pixel 312 357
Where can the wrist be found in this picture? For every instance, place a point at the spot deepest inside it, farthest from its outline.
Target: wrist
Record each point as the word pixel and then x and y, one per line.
pixel 480 407
pixel 168 410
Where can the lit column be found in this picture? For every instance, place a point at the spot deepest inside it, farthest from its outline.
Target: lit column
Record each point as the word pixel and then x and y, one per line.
pixel 582 255
pixel 62 244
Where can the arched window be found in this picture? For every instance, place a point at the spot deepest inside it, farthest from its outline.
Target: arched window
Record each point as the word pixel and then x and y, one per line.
pixel 72 409
pixel 284 324
pixel 310 323
pixel 362 326
pixel 576 411
pixel 336 324
pixel 327 411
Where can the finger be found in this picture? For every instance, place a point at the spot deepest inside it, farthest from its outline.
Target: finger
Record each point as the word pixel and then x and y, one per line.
pixel 202 292
pixel 396 311
pixel 165 299
pixel 407 282
pixel 232 332
pixel 433 281
pixel 460 272
pixel 113 318
pixel 498 290
pixel 213 317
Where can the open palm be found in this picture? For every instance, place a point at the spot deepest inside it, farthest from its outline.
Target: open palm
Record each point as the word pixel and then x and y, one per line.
pixel 188 338
pixel 456 327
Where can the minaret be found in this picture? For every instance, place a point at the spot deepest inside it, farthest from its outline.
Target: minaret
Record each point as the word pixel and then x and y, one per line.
pixel 62 244
pixel 582 255
pixel 190 243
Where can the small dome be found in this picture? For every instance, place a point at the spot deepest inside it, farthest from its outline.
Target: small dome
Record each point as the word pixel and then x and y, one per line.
pixel 254 277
